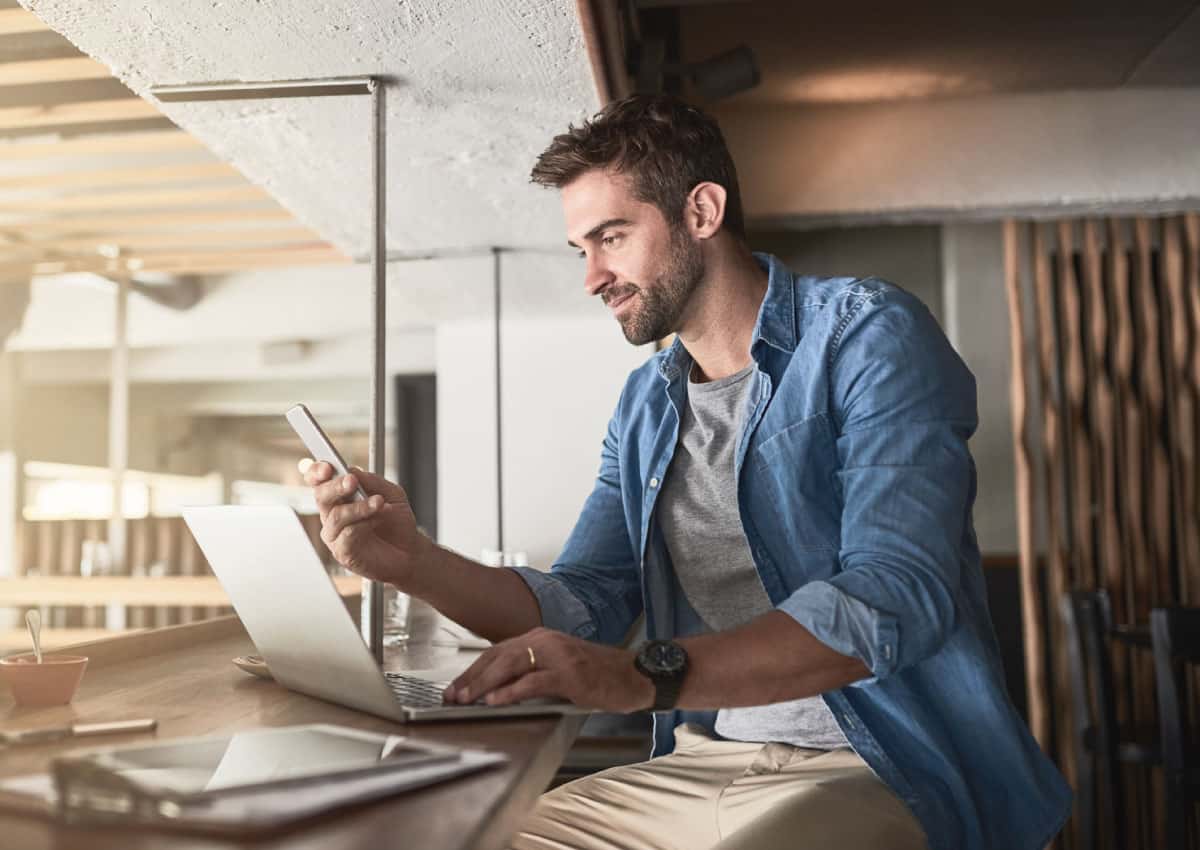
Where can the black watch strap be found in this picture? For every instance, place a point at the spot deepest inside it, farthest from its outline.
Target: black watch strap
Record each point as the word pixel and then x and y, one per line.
pixel 666 693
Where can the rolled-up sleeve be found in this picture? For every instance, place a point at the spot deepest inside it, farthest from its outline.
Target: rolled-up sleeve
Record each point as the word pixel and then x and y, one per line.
pixel 905 407
pixel 561 609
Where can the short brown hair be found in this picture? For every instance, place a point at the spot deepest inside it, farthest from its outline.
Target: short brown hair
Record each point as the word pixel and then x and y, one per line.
pixel 664 145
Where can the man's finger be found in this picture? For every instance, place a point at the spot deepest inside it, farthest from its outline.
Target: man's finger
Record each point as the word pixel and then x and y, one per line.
pixel 330 493
pixel 314 471
pixel 480 679
pixel 464 679
pixel 341 516
pixel 539 683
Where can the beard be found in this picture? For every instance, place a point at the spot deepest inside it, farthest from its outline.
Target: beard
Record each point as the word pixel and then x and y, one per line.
pixel 661 305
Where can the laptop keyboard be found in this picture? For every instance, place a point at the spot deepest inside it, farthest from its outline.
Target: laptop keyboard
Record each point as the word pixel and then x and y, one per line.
pixel 417 693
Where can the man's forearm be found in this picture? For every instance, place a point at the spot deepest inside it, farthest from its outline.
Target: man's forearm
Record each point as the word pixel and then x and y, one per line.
pixel 494 603
pixel 771 659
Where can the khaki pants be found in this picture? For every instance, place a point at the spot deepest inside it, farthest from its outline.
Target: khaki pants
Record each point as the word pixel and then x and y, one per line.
pixel 725 795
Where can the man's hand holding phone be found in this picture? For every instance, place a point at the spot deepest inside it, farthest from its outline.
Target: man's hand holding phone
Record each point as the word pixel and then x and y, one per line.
pixel 368 524
pixel 376 537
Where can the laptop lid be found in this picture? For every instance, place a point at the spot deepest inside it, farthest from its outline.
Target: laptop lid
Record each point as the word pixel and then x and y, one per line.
pixel 263 558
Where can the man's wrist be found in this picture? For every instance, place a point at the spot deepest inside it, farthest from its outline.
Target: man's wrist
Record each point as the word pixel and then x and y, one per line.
pixel 422 563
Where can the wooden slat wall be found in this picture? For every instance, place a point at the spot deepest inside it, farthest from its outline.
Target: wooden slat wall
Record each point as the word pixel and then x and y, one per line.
pixel 1117 369
pixel 1191 380
pixel 157 546
pixel 1052 445
pixel 1033 623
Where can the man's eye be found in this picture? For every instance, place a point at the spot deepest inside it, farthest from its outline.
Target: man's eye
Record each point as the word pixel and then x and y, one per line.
pixel 581 255
pixel 611 240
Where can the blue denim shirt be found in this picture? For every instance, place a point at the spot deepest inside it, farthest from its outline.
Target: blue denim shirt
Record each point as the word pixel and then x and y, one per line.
pixel 855 488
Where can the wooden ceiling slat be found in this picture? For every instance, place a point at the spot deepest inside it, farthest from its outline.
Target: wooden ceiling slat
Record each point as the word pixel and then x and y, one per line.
pixel 157 141
pixel 215 263
pixel 71 69
pixel 17 21
pixel 94 112
pixel 134 242
pixel 196 171
pixel 219 252
pixel 193 255
pixel 146 222
pixel 204 229
pixel 145 200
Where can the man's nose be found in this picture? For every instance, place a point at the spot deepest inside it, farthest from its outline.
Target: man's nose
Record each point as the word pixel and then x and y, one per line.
pixel 597 277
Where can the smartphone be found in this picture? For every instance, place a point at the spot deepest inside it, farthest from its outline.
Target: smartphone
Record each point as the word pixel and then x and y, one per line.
pixel 318 445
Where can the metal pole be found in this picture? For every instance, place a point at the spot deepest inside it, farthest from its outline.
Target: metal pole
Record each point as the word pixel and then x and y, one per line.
pixel 499 435
pixel 266 90
pixel 372 601
pixel 373 592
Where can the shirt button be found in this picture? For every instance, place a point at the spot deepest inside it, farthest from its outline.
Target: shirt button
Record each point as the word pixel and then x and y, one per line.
pixel 653 482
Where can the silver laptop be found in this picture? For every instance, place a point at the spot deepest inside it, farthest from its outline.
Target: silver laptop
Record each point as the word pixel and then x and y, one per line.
pixel 289 606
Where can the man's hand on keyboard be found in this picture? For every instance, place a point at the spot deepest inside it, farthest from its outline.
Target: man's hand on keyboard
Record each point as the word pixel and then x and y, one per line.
pixel 547 663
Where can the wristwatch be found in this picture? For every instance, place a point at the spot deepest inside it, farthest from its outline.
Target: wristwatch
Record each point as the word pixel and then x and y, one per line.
pixel 665 663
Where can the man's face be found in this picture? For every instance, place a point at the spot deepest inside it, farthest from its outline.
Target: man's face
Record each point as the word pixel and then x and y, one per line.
pixel 644 269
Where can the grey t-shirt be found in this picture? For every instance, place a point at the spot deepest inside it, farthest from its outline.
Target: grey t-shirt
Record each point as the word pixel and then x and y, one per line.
pixel 698 512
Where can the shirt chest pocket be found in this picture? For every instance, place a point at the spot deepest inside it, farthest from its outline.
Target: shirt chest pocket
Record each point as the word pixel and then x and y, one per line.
pixel 791 486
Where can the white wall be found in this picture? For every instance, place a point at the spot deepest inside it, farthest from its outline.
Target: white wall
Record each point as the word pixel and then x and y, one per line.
pixel 937 160
pixel 976 320
pixel 466 436
pixel 560 383
pixel 560 386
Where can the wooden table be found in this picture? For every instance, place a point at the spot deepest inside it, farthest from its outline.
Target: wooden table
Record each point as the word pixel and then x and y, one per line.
pixel 182 676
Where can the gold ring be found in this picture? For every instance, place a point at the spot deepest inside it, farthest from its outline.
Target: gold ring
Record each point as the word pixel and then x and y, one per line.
pixel 532 658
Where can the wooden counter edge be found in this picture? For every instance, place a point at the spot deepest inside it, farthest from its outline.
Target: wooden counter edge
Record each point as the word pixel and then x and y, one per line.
pixel 147 642
pixel 505 817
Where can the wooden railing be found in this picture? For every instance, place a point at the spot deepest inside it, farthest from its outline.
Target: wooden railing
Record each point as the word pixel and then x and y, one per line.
pixel 166 580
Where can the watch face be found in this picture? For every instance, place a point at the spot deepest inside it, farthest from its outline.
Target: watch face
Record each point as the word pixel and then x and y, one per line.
pixel 663 657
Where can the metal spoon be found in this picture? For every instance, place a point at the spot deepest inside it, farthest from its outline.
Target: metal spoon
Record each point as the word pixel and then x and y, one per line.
pixel 34 620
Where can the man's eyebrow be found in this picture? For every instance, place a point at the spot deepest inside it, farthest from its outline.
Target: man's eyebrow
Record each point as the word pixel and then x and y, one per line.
pixel 604 225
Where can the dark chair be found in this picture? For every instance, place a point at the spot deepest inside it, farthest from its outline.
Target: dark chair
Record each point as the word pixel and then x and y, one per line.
pixel 1100 746
pixel 1175 635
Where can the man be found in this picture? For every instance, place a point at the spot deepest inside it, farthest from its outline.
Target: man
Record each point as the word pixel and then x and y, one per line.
pixel 786 494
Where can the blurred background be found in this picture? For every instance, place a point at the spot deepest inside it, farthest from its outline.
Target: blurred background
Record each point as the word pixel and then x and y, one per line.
pixel 174 276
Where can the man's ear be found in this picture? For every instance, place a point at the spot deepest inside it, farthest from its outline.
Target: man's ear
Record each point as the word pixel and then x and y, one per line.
pixel 704 210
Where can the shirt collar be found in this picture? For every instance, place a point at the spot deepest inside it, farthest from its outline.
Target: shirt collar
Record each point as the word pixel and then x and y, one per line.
pixel 776 323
